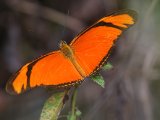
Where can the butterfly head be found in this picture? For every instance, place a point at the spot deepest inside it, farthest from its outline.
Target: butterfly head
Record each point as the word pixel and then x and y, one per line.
pixel 62 44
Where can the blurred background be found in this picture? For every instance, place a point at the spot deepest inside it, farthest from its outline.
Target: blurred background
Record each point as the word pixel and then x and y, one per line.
pixel 30 28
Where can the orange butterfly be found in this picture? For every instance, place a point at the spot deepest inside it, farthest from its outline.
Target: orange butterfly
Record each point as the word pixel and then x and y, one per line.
pixel 72 63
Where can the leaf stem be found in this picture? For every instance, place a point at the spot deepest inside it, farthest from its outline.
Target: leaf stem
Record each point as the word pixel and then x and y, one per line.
pixel 73 114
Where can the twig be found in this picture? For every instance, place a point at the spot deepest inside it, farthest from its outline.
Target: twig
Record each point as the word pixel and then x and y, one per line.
pixel 150 9
pixel 46 13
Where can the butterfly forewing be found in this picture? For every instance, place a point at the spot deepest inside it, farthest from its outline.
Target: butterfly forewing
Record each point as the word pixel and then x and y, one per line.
pixel 93 45
pixel 51 70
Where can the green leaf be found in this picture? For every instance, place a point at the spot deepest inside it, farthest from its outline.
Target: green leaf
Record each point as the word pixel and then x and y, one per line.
pixel 53 106
pixel 78 112
pixel 71 117
pixel 98 79
pixel 107 66
pixel 74 116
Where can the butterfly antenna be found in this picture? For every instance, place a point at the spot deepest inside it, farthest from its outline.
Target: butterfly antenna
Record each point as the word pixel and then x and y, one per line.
pixel 65 22
pixel 64 28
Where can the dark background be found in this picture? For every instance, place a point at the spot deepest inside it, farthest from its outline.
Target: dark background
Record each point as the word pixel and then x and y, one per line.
pixel 30 28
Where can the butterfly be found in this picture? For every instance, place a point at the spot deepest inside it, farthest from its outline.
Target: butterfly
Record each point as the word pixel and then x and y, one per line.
pixel 83 57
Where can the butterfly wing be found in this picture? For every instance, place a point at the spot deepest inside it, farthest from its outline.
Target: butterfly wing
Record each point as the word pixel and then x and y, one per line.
pixel 50 70
pixel 92 46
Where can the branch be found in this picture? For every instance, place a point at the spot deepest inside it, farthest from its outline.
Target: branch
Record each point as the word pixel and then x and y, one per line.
pixel 46 13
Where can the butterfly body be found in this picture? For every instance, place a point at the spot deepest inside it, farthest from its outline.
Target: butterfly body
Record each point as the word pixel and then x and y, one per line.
pixel 68 52
pixel 72 63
